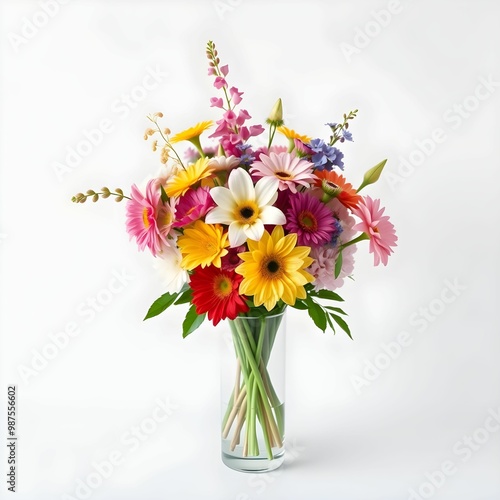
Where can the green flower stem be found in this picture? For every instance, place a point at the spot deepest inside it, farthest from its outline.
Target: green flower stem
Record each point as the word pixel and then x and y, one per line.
pixel 272 131
pixel 256 399
pixel 275 401
pixel 250 436
pixel 361 237
pixel 195 141
pixel 253 446
pixel 260 385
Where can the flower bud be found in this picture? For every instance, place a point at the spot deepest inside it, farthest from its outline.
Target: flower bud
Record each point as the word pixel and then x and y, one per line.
pixel 276 115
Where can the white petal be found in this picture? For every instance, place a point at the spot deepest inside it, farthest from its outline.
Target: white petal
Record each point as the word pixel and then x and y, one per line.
pixel 236 235
pixel 255 231
pixel 272 215
pixel 265 189
pixel 219 216
pixel 241 185
pixel 223 197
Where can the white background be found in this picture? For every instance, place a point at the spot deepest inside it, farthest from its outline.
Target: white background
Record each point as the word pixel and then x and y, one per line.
pixel 347 439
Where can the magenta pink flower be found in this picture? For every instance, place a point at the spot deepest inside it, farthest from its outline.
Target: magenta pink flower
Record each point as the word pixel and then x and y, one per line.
pixel 311 219
pixel 193 205
pixel 377 226
pixel 232 260
pixel 149 220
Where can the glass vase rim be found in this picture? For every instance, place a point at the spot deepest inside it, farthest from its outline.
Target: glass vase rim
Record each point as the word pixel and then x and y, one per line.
pixel 270 316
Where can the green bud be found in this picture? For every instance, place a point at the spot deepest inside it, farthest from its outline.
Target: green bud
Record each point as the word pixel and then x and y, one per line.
pixel 276 115
pixel 372 175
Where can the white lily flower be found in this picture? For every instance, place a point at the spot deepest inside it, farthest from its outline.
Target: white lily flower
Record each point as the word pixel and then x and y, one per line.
pixel 245 208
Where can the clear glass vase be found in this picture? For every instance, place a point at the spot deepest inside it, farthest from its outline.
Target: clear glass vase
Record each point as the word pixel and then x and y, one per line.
pixel 253 389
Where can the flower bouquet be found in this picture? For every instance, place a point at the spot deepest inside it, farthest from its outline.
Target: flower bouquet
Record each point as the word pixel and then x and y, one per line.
pixel 243 227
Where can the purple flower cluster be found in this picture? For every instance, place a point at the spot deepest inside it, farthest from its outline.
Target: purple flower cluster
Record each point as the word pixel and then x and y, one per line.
pixel 325 157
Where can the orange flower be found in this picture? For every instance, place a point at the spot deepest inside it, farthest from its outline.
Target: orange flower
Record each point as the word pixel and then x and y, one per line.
pixel 336 185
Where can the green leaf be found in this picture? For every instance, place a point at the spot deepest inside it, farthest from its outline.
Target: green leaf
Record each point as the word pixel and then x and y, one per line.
pixel 338 264
pixel 340 321
pixel 328 295
pixel 317 314
pixel 336 309
pixel 185 297
pixel 161 304
pixel 372 175
pixel 192 321
pixel 164 196
pixel 330 324
pixel 299 304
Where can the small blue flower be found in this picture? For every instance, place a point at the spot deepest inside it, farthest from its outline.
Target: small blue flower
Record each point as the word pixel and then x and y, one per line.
pixel 337 229
pixel 325 157
pixel 346 135
pixel 246 159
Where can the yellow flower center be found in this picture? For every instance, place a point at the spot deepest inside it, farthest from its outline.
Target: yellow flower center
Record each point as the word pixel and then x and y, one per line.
pixel 166 219
pixel 272 267
pixel 145 218
pixel 222 286
pixel 247 213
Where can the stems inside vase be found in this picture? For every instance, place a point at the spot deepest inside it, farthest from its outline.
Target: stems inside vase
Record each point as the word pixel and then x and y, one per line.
pixel 254 400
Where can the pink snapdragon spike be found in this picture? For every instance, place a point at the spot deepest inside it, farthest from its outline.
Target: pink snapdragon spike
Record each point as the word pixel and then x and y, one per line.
pixel 235 95
pixel 219 82
pixel 378 227
pixel 231 129
pixel 193 206
pixel 216 102
pixel 149 220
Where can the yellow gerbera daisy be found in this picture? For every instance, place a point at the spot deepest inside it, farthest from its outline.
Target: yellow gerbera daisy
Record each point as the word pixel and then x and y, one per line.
pixel 202 245
pixel 184 179
pixel 274 269
pixel 192 132
pixel 291 134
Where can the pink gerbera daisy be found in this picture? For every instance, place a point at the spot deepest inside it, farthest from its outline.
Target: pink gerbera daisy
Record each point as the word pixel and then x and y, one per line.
pixel 311 219
pixel 286 168
pixel 148 219
pixel 377 226
pixel 192 206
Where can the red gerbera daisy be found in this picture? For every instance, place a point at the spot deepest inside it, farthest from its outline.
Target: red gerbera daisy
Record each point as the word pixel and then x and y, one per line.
pixel 215 291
